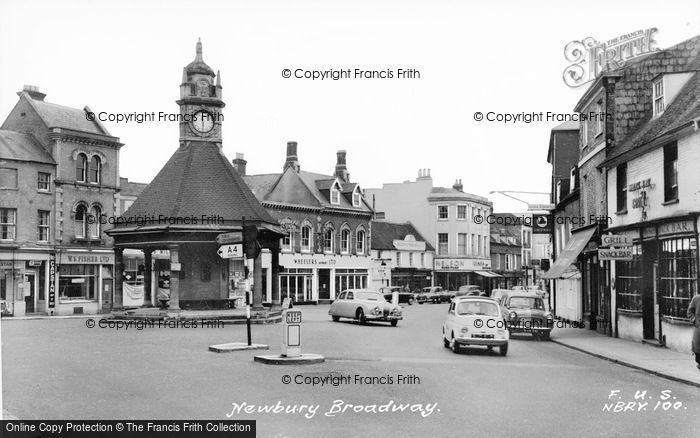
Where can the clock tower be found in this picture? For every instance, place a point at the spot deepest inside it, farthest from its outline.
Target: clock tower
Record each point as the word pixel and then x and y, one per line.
pixel 200 103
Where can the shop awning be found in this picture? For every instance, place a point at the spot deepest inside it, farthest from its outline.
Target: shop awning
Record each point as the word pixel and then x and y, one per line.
pixel 578 241
pixel 488 274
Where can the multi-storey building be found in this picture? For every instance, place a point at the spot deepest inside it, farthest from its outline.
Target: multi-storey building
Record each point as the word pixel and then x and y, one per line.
pixel 506 257
pixel 401 256
pixel 452 221
pixel 61 259
pixel 653 191
pixel 328 246
pixel 565 276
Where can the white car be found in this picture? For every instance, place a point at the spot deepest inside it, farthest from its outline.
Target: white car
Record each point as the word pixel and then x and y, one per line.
pixel 475 321
pixel 364 305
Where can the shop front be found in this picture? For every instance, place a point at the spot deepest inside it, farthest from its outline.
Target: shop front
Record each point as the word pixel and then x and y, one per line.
pixel 317 278
pixel 654 288
pixel 24 282
pixel 85 282
pixel 451 273
pixel 411 279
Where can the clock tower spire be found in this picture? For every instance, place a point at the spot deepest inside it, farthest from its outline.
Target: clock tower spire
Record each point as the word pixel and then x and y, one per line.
pixel 200 102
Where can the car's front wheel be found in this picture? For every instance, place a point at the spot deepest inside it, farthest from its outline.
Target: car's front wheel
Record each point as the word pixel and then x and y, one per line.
pixel 503 349
pixel 335 318
pixel 454 344
pixel 361 317
pixel 394 322
pixel 545 336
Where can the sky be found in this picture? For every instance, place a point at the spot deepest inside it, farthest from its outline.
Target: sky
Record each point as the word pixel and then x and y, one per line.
pixel 503 57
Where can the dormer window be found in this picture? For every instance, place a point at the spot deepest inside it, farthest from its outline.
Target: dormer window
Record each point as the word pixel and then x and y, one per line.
pixel 659 104
pixel 356 198
pixel 335 195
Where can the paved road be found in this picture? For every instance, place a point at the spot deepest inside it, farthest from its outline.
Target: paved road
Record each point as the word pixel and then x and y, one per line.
pixel 61 369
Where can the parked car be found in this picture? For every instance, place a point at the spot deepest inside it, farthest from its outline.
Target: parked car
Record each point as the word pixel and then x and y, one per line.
pixel 364 305
pixel 404 297
pixel 469 291
pixel 432 294
pixel 526 313
pixel 518 288
pixel 475 321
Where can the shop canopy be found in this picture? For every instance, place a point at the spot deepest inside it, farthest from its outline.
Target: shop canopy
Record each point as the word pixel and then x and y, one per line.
pixel 488 274
pixel 578 241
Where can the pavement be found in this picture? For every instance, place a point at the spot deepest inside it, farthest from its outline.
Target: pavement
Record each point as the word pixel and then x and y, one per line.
pixel 659 361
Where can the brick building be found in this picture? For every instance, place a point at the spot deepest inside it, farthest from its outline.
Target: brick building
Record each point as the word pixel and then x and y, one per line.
pixel 506 256
pixel 565 275
pixel 653 191
pixel 71 170
pixel 327 219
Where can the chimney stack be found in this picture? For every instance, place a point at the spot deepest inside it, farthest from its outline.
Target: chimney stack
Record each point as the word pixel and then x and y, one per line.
pixel 423 174
pixel 239 164
pixel 458 185
pixel 292 159
pixel 33 92
pixel 341 169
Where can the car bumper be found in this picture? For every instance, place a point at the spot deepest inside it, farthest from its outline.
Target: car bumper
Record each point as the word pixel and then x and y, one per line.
pixel 481 341
pixel 383 318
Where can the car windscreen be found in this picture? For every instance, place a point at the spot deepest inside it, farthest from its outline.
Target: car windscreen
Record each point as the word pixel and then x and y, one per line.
pixel 477 308
pixel 372 296
pixel 526 303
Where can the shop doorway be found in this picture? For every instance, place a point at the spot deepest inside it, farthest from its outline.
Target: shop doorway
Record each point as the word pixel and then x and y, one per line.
pixel 650 304
pixel 30 293
pixel 324 284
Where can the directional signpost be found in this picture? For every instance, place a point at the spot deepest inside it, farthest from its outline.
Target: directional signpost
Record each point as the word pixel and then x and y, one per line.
pixel 232 251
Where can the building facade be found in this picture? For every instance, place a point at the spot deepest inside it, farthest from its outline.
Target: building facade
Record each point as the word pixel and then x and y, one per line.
pixel 445 217
pixel 506 257
pixel 328 222
pixel 400 256
pixel 70 266
pixel 653 181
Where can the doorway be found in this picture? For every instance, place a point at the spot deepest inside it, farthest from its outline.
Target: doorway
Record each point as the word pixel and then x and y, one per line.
pixel 30 295
pixel 650 303
pixel 324 284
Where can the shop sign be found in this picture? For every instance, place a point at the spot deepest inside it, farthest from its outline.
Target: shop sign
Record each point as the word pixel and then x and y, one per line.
pixel 615 240
pixel 462 264
pixel 87 259
pixel 542 224
pixel 615 254
pixel 324 261
pixel 683 227
pixel 639 185
pixel 52 281
pixel 409 245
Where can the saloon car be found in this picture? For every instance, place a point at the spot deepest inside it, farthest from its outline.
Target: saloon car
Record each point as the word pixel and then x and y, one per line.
pixel 432 294
pixel 404 297
pixel 475 321
pixel 364 305
pixel 469 291
pixel 526 313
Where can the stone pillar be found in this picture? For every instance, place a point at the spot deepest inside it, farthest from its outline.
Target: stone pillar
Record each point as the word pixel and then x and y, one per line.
pixel 257 283
pixel 174 278
pixel 147 274
pixel 118 303
pixel 276 301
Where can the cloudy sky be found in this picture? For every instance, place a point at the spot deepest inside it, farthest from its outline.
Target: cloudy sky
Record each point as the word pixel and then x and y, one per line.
pixel 486 56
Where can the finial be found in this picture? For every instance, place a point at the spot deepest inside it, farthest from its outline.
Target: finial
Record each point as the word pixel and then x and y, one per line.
pixel 184 75
pixel 199 51
pixel 218 78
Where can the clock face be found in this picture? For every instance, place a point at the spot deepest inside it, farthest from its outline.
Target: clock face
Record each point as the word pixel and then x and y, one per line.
pixel 203 122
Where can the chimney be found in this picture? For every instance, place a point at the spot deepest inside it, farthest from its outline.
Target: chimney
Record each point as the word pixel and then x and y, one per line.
pixel 341 169
pixel 239 164
pixel 423 174
pixel 33 92
pixel 292 160
pixel 458 185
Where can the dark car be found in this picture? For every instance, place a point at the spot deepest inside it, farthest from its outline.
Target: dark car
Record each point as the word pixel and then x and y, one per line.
pixel 404 297
pixel 431 294
pixel 526 313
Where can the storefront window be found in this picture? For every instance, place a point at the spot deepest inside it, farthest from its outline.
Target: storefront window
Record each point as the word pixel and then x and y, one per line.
pixel 350 279
pixel 628 281
pixel 296 284
pixel 77 282
pixel 678 272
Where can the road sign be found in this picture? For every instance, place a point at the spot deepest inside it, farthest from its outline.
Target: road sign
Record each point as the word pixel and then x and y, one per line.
pixel 230 251
pixel 293 316
pixel 615 254
pixel 225 238
pixel 615 240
